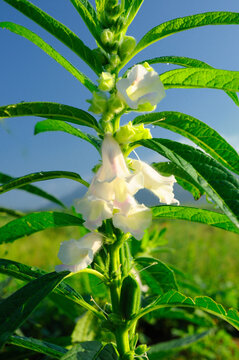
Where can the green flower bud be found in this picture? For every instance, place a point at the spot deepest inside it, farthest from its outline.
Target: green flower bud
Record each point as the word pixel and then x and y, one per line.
pixel 99 54
pixel 98 103
pixel 106 81
pixel 129 133
pixel 127 46
pixel 114 61
pixel 107 37
pixel 115 104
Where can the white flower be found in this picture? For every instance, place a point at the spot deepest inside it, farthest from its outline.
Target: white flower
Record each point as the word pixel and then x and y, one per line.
pixel 161 186
pixel 142 89
pixel 110 194
pixel 78 254
pixel 134 218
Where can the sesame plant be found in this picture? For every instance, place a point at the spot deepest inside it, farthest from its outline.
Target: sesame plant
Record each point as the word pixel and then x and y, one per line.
pixel 137 285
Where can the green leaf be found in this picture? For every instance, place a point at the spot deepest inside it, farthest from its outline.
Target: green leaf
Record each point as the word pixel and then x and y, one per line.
pixel 197 318
pixel 4 178
pixel 29 273
pixel 157 275
pixel 201 78
pixel 16 308
pixel 195 215
pixel 35 222
pixel 184 23
pixel 100 8
pixel 89 16
pixel 37 40
pixel 39 346
pixel 60 31
pixel 183 179
pixel 91 350
pixel 50 125
pixel 40 176
pixel 176 299
pixel 159 349
pixel 54 111
pixel 188 62
pixel 132 11
pixel 14 213
pixel 198 132
pixel 220 185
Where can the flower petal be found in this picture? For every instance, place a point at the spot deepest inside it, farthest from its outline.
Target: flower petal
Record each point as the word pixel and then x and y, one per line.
pixel 135 221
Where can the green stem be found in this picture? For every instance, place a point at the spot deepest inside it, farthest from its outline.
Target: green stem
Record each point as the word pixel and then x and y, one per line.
pixel 121 332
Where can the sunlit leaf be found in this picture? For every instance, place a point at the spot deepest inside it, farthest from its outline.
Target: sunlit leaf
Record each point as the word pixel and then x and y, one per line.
pixel 4 178
pixel 57 125
pixel 191 63
pixel 37 40
pixel 194 215
pixel 40 176
pixel 198 132
pixel 184 23
pixel 35 222
pixel 220 185
pixel 60 31
pixel 54 111
pixel 176 299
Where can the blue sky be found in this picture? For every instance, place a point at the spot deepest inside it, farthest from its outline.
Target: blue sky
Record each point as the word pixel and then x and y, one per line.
pixel 28 74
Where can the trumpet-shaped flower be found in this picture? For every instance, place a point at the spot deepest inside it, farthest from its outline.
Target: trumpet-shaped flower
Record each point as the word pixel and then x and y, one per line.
pixel 142 89
pixel 78 254
pixel 161 186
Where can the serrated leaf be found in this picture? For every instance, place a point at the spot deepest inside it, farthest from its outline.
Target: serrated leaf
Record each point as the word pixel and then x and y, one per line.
pixel 158 350
pixel 4 178
pixel 16 308
pixel 176 299
pixel 54 111
pixel 183 179
pixel 197 318
pixel 201 78
pixel 38 41
pixel 88 14
pixel 195 215
pixel 29 273
pixel 91 350
pixel 191 63
pixel 60 31
pixel 184 23
pixel 55 125
pixel 39 346
pixel 198 132
pixel 40 176
pixel 220 185
pixel 35 222
pixel 157 275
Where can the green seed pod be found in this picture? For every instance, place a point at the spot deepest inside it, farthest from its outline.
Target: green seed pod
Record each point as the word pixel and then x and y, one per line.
pixel 127 46
pixel 129 297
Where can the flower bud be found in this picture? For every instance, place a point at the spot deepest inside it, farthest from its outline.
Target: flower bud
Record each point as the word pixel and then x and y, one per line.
pixel 99 54
pixel 115 104
pixel 106 81
pixel 141 349
pixel 129 133
pixel 107 37
pixel 127 46
pixel 98 103
pixel 114 61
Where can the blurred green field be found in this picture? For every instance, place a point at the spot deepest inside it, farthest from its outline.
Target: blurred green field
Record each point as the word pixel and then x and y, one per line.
pixel 208 256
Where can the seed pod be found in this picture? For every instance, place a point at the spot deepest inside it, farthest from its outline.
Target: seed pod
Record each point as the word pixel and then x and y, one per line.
pixel 129 297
